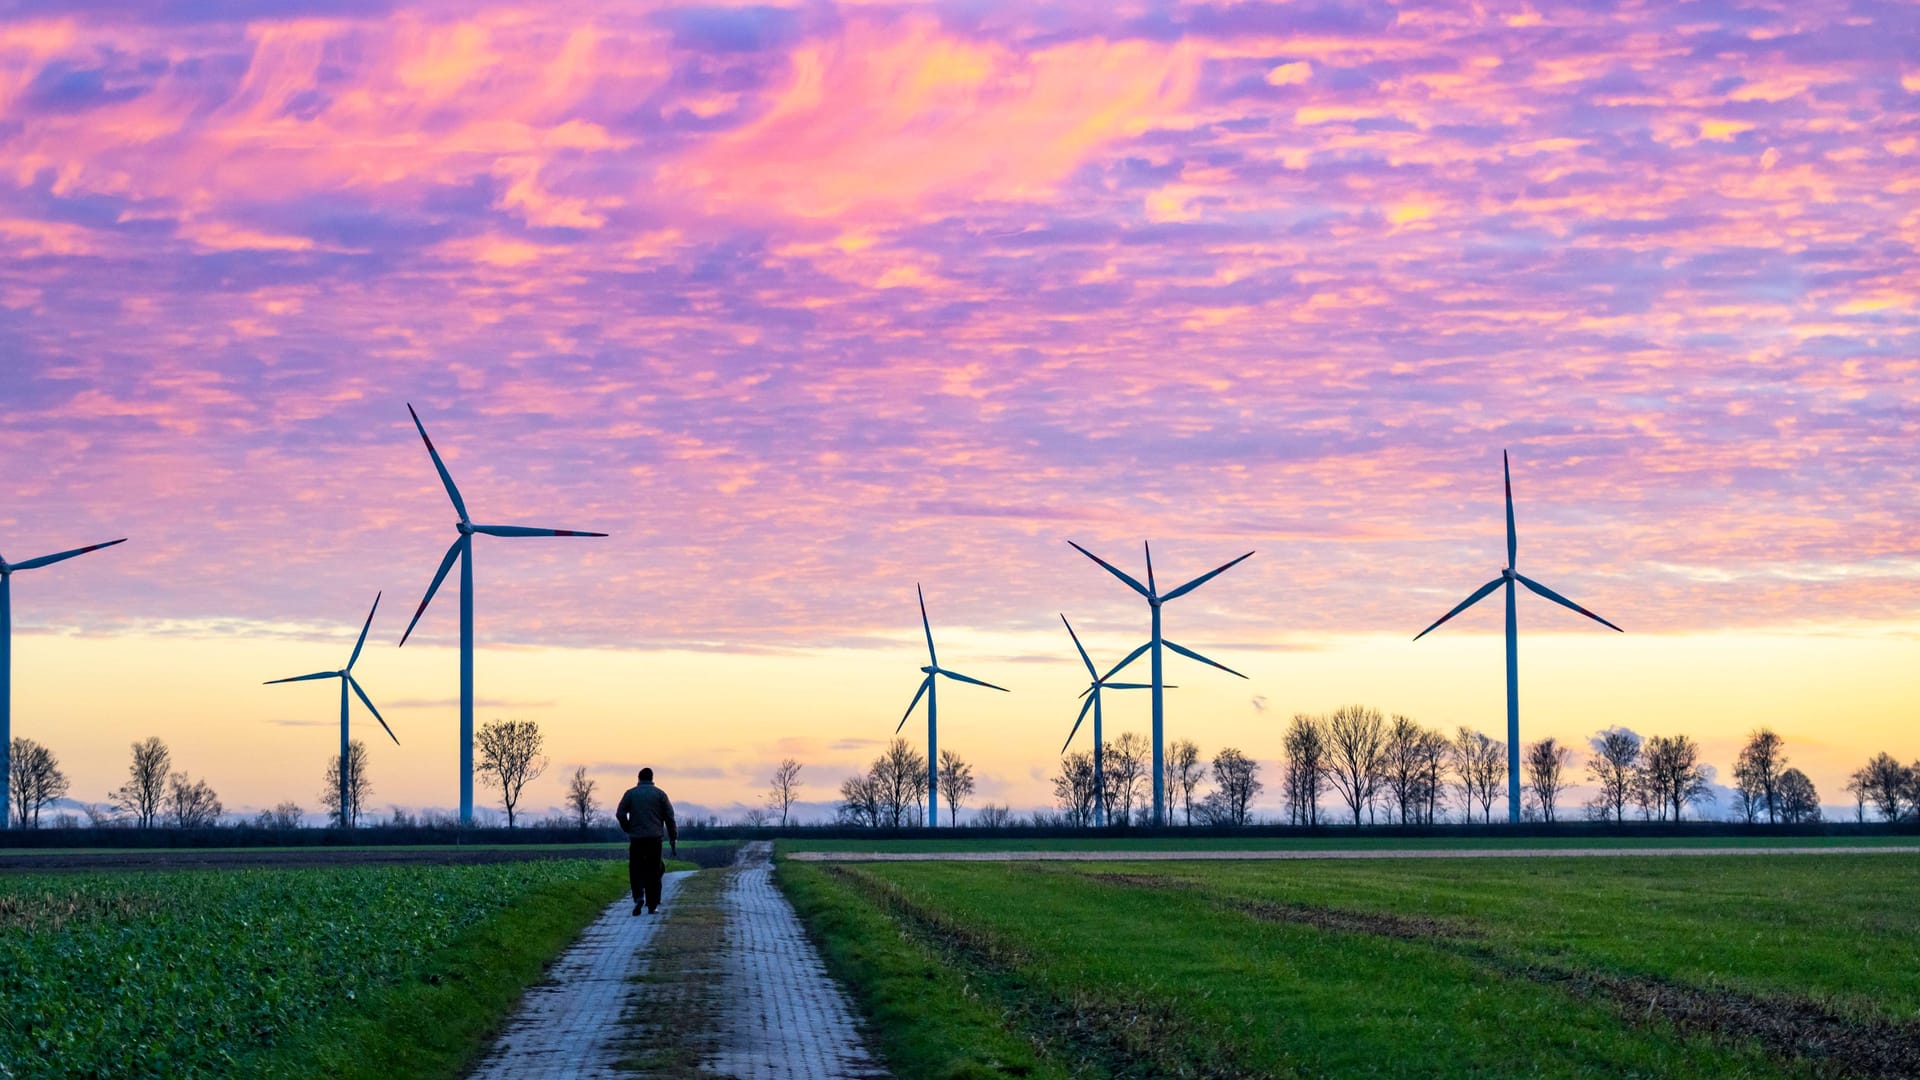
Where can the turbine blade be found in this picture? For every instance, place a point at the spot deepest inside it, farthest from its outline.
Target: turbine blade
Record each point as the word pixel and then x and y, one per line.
pixel 1204 578
pixel 917 695
pixel 1513 543
pixel 1463 605
pixel 368 702
pixel 363 631
pixel 1076 725
pixel 932 660
pixel 304 678
pixel 1131 657
pixel 524 530
pixel 1084 658
pixel 439 576
pixel 974 681
pixel 49 560
pixel 1127 686
pixel 1149 549
pixel 446 478
pixel 1191 655
pixel 1114 570
pixel 1563 601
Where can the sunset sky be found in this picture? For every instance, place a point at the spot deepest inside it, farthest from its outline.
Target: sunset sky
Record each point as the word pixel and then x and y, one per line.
pixel 807 304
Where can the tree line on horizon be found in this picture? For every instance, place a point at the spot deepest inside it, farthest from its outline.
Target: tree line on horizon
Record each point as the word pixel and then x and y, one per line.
pixel 1373 769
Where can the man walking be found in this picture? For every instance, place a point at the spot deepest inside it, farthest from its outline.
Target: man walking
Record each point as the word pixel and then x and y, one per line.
pixel 645 814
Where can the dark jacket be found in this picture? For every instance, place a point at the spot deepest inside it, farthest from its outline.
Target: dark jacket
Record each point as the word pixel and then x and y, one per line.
pixel 646 813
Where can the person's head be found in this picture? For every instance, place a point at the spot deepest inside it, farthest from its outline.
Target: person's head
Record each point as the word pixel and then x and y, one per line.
pixel 646 776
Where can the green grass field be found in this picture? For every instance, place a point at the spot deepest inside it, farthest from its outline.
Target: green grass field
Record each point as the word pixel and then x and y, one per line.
pixel 333 972
pixel 1730 966
pixel 1337 843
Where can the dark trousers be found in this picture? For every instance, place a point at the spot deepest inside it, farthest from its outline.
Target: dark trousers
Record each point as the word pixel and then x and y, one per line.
pixel 644 870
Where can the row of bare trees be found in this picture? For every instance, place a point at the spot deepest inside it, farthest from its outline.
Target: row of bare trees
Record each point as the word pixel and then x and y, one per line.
pixel 1390 769
pixel 1126 783
pixel 1892 789
pixel 892 793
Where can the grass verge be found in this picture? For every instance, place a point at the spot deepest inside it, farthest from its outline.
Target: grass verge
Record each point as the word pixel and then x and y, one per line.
pixel 930 1018
pixel 1121 844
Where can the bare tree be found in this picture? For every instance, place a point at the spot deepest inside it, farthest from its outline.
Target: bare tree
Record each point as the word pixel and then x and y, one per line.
pixel 1546 764
pixel 860 800
pixel 359 785
pixel 756 817
pixel 287 815
pixel 1409 768
pixel 1125 769
pixel 1074 791
pixel 956 783
pixel 1674 774
pixel 146 787
pixel 1184 772
pixel 1306 750
pixel 993 817
pixel 1799 801
pixel 1356 736
pixel 1236 780
pixel 900 782
pixel 1480 764
pixel 510 758
pixel 1857 787
pixel 191 804
pixel 1756 773
pixel 580 798
pixel 36 780
pixel 1885 783
pixel 1615 760
pixel 784 789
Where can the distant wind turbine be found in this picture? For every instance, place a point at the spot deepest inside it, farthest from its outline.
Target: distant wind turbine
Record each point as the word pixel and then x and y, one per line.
pixel 1507 577
pixel 345 675
pixel 7 570
pixel 1092 694
pixel 931 693
pixel 1154 600
pixel 462 550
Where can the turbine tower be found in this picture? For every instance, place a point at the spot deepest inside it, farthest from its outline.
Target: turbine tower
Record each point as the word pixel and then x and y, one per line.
pixel 1154 599
pixel 928 691
pixel 1092 694
pixel 7 570
pixel 1508 576
pixel 345 675
pixel 462 550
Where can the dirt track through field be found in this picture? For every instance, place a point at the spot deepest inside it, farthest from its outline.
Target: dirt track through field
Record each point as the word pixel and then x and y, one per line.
pixel 1083 855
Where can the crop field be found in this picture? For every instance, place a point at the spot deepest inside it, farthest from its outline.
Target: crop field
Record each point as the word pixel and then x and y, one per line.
pixel 702 852
pixel 342 971
pixel 1732 966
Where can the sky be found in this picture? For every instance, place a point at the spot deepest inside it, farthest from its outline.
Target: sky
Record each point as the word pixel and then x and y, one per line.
pixel 807 304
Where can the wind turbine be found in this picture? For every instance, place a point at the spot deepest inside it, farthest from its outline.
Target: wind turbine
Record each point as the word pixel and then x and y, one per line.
pixel 1154 599
pixel 345 675
pixel 1092 694
pixel 1508 575
pixel 7 570
pixel 928 691
pixel 462 550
